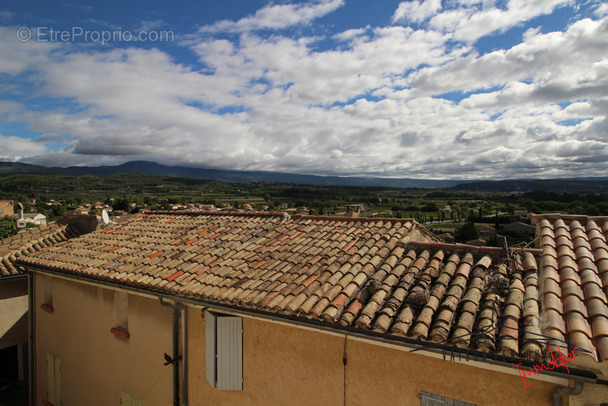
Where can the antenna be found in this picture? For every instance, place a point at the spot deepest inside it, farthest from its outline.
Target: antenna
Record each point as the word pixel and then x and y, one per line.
pixel 104 217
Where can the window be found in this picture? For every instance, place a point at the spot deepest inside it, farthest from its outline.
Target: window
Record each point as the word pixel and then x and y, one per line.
pixel 224 351
pixel 121 315
pixel 127 399
pixel 429 399
pixel 53 380
pixel 47 305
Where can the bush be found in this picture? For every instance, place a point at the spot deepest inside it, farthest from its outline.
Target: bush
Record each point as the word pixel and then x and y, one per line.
pixel 467 232
pixel 8 227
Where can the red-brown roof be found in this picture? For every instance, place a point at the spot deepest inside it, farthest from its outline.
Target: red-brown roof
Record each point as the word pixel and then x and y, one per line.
pixel 29 241
pixel 574 281
pixel 384 275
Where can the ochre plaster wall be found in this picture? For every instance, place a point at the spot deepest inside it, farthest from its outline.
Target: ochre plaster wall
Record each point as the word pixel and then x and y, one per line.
pixel 284 365
pixel 97 365
pixel 281 366
pixel 13 311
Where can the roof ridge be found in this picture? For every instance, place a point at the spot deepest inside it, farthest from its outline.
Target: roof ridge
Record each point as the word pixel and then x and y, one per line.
pixel 282 214
pixel 345 218
pixel 217 213
pixel 537 218
pixel 471 248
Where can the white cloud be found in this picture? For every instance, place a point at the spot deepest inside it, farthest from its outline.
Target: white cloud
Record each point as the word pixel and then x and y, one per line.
pixel 470 24
pixel 16 148
pixel 18 56
pixel 279 16
pixel 562 65
pixel 372 104
pixel 416 11
pixel 601 10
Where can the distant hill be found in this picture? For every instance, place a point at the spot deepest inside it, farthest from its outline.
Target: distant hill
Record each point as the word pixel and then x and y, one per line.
pixel 583 185
pixel 573 185
pixel 153 168
pixel 17 167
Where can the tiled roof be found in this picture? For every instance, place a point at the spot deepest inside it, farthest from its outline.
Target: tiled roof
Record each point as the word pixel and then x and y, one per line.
pixel 29 241
pixel 574 281
pixel 387 276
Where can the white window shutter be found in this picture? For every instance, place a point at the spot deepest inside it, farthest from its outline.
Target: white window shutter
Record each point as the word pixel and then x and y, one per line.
pixel 210 347
pixel 229 353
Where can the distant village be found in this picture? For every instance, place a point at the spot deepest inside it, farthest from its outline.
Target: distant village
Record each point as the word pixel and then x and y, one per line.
pixel 442 225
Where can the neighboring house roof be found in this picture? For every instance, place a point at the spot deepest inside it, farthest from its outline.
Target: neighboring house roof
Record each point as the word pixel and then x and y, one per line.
pixel 33 215
pixel 389 277
pixel 519 227
pixel 29 241
pixel 574 280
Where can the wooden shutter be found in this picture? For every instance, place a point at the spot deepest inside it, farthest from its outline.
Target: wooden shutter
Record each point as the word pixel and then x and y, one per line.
pixel 125 399
pixel 429 399
pixel 229 353
pixel 57 382
pixel 53 379
pixel 50 378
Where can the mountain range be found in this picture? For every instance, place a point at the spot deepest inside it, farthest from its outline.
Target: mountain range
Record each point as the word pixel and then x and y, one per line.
pixel 572 185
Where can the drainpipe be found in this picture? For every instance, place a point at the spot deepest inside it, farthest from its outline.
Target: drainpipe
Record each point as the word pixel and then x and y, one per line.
pixel 31 356
pixel 559 392
pixel 177 309
pixel 184 311
pixel 175 356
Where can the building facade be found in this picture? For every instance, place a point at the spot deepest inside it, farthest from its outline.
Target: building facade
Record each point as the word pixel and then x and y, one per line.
pixel 260 309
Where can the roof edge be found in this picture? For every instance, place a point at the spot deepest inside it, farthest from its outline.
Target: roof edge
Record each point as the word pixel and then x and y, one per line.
pixel 494 358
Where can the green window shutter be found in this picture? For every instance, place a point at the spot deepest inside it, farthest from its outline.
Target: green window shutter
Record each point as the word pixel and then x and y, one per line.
pixel 210 347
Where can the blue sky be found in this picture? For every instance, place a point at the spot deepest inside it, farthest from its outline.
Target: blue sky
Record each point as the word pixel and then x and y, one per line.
pixel 468 89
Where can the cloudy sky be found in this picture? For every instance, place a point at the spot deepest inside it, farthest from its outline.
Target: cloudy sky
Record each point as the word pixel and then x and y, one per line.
pixel 465 89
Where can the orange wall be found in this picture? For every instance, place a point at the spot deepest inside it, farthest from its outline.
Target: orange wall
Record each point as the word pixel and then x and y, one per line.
pixel 288 365
pixel 96 365
pixel 281 364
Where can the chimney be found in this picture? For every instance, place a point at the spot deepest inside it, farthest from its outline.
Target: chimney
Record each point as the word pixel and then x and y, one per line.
pixel 21 224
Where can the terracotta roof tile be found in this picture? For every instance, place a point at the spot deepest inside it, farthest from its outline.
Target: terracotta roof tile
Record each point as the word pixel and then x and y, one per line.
pixel 579 248
pixel 30 241
pixel 391 276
